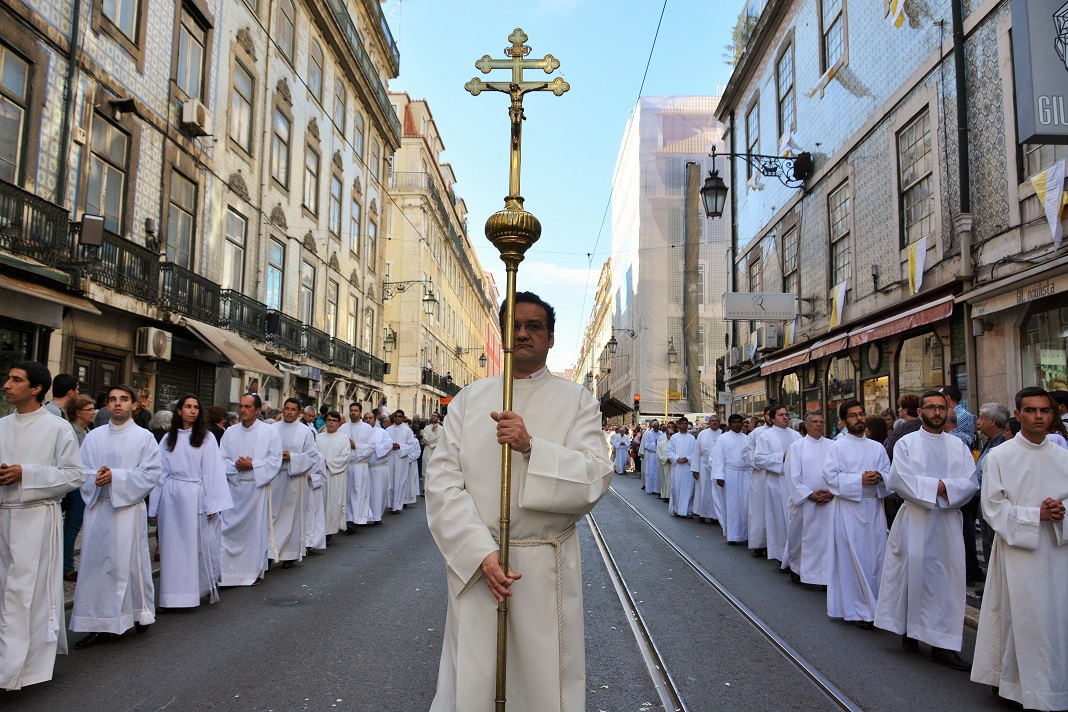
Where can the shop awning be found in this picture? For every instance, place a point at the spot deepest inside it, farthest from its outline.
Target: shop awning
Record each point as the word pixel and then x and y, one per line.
pixel 611 407
pixel 781 364
pixel 904 321
pixel 828 346
pixel 240 353
pixel 48 294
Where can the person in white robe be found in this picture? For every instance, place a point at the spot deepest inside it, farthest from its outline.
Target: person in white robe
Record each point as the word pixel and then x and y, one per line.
pixel 809 524
pixel 403 441
pixel 622 450
pixel 252 455
pixel 559 471
pixel 663 462
pixel 758 530
pixel 679 453
pixel 122 464
pixel 186 503
pixel 769 455
pixel 730 472
pixel 413 473
pixel 707 496
pixel 289 491
pixel 650 463
pixel 315 506
pixel 380 449
pixel 856 472
pixel 922 589
pixel 362 438
pixel 1021 648
pixel 336 449
pixel 41 464
pixel 429 437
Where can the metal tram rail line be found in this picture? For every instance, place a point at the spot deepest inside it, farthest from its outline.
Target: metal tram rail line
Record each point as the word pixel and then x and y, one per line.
pixel 662 680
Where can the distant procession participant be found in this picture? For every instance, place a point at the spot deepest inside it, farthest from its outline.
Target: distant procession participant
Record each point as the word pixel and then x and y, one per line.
pixel 707 497
pixel 315 506
pixel 358 494
pixel 378 472
pixel 430 436
pixel 186 502
pixel 41 463
pixel 856 472
pixel 651 465
pixel 1021 648
pixel 665 463
pixel 730 473
pixel 809 523
pixel 289 491
pixel 770 456
pixel 403 441
pixel 922 590
pixel 679 453
pixel 336 449
pixel 413 473
pixel 252 455
pixel 758 485
pixel 122 464
pixel 622 445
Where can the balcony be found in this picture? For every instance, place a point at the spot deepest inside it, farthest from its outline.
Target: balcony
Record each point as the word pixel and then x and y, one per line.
pixel 33 227
pixel 284 331
pixel 124 266
pixel 317 344
pixel 442 383
pixel 374 9
pixel 412 180
pixel 186 292
pixel 378 369
pixel 362 363
pixel 343 355
pixel 242 314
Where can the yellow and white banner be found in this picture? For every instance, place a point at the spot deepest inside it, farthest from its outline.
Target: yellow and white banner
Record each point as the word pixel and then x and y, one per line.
pixel 1049 187
pixel 838 303
pixel 917 259
pixel 896 13
pixel 788 334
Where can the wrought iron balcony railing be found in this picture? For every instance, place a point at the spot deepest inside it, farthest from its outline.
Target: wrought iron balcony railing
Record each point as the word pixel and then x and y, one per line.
pixel 124 266
pixel 343 354
pixel 317 344
pixel 186 292
pixel 33 227
pixel 243 314
pixel 284 331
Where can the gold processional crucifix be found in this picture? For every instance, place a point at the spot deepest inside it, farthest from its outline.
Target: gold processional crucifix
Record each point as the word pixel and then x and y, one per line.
pixel 512 231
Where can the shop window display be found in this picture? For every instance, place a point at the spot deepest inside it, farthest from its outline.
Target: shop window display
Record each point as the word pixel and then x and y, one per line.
pixel 1045 348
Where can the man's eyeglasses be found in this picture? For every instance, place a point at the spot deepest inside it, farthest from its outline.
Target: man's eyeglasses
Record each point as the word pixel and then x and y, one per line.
pixel 935 408
pixel 532 327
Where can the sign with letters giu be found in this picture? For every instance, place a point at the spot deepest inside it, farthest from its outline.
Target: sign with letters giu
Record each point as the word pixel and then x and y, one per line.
pixel 759 306
pixel 1040 54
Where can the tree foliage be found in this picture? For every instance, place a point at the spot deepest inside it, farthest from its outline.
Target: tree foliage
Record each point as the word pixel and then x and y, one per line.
pixel 743 30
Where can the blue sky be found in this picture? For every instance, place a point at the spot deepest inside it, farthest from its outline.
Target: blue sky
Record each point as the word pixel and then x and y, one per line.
pixel 570 143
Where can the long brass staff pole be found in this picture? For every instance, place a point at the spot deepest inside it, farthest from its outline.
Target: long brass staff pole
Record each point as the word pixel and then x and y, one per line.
pixel 512 231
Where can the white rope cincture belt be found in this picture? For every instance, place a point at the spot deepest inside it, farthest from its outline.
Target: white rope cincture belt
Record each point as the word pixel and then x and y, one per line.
pixel 557 543
pixel 55 550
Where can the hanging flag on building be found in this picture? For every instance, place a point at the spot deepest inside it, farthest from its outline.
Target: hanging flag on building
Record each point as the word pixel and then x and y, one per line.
pixel 1049 187
pixel 838 303
pixel 917 258
pixel 788 336
pixel 896 12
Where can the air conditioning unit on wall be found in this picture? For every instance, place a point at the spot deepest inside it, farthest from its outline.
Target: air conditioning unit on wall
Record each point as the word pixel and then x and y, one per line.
pixel 153 343
pixel 196 118
pixel 769 337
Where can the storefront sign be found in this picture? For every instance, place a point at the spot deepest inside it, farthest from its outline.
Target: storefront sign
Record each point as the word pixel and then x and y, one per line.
pixel 1040 54
pixel 1023 295
pixel 759 306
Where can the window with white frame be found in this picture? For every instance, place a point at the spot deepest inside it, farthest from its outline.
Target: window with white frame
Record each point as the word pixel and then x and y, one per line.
pixel 316 62
pixel 105 191
pixel 284 24
pixel 833 38
pixel 181 220
pixel 276 270
pixel 340 101
pixel 335 205
pixel 752 135
pixel 354 227
pixel 357 139
pixel 311 179
pixel 784 81
pixel 241 100
pixel 189 65
pixel 372 245
pixel 354 318
pixel 307 293
pixel 332 291
pixel 368 330
pixel 916 181
pixel 233 268
pixel 280 149
pixel 839 227
pixel 124 14
pixel 789 261
pixel 14 102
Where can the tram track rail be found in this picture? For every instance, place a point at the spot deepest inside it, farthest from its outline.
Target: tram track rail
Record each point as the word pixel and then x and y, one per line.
pixel 668 691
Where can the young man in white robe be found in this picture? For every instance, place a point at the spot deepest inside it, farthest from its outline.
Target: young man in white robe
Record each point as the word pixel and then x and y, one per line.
pixel 730 473
pixel 289 491
pixel 856 472
pixel 358 492
pixel 1021 648
pixel 429 437
pixel 41 464
pixel 560 469
pixel 679 453
pixel 378 469
pixel 707 497
pixel 769 455
pixel 122 464
pixel 622 451
pixel 662 460
pixel 650 463
pixel 252 455
pixel 186 503
pixel 336 449
pixel 403 441
pixel 809 524
pixel 758 530
pixel 922 589
pixel 315 506
pixel 413 473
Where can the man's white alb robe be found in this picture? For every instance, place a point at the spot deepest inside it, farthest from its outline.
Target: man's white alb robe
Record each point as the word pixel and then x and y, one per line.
pixel 680 502
pixel 358 497
pixel 413 472
pixel 289 491
pixel 430 436
pixel 114 588
pixel 193 485
pixel 769 455
pixel 922 590
pixel 337 454
pixel 566 473
pixel 809 524
pixel 378 473
pixel 1022 643
pixel 622 445
pixel 758 486
pixel 707 495
pixel 403 436
pixel 858 527
pixel 650 463
pixel 727 463
pixel 32 630
pixel 315 504
pixel 247 530
pixel 665 466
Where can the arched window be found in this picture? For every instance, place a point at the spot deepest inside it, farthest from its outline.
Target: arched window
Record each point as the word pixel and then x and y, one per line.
pixel 357 138
pixel 284 23
pixel 375 158
pixel 315 71
pixel 340 100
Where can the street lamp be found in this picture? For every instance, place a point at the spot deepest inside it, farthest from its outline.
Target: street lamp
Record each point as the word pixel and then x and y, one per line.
pixel 589 380
pixel 673 355
pixel 792 171
pixel 430 301
pixel 482 360
pixel 613 344
pixel 390 342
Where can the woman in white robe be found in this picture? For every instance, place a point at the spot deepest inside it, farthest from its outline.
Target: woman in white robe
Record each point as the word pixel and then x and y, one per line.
pixel 186 502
